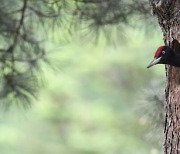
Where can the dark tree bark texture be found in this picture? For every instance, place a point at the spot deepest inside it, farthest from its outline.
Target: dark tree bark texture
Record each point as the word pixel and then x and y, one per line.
pixel 168 14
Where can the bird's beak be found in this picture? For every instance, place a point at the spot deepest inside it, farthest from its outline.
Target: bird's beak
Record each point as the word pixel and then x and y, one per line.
pixel 154 62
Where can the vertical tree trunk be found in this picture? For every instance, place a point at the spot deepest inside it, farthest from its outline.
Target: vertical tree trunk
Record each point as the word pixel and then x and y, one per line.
pixel 168 14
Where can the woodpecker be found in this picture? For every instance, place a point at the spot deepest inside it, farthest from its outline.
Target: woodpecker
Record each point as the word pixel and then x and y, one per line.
pixel 166 55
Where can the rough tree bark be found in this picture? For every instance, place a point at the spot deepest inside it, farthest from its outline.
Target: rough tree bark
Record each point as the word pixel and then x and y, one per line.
pixel 168 14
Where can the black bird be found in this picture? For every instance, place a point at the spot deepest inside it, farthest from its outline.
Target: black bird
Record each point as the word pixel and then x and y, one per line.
pixel 166 55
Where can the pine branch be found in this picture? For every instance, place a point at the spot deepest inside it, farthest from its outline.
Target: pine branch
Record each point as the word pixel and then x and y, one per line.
pixel 17 31
pixel 19 44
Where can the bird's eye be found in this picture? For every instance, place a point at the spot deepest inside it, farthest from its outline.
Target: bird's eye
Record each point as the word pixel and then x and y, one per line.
pixel 163 52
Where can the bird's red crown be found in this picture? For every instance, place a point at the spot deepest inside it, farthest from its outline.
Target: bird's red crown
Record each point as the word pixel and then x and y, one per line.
pixel 158 51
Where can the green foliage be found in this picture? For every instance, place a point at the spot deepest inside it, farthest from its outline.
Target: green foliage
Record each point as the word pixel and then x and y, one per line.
pixel 151 109
pixel 26 24
pixel 89 105
pixel 92 105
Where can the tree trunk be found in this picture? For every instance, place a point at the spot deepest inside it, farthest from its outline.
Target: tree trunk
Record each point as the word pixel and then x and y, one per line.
pixel 168 14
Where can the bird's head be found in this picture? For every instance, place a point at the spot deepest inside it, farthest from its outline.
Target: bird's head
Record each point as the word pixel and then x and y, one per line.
pixel 162 56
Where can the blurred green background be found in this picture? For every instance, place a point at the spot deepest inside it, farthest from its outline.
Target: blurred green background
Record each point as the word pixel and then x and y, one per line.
pixel 91 104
